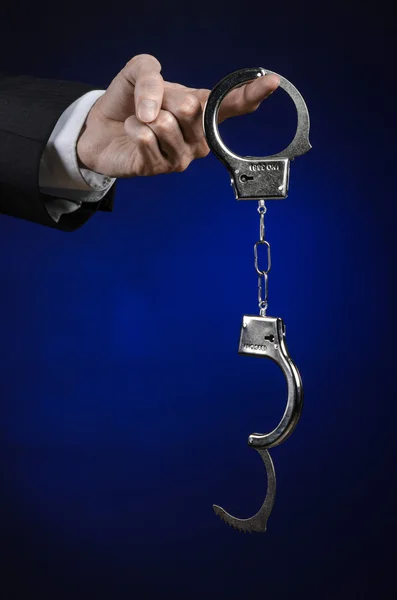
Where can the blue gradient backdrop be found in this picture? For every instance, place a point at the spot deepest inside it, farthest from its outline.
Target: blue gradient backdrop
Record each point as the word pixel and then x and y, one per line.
pixel 125 408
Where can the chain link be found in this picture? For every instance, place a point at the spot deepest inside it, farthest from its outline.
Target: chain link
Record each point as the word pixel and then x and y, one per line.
pixel 263 287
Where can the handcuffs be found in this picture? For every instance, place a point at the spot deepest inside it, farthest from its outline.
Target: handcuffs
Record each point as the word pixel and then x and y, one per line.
pixel 260 179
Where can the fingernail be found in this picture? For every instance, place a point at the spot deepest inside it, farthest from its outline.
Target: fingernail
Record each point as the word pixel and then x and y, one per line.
pixel 147 110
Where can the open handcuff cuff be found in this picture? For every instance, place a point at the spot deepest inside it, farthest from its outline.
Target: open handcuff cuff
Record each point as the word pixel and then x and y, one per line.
pixel 260 179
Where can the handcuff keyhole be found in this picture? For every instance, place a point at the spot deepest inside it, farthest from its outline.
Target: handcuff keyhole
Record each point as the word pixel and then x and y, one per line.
pixel 245 178
pixel 269 338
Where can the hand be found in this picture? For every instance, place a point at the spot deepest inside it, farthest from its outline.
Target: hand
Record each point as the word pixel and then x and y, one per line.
pixel 143 125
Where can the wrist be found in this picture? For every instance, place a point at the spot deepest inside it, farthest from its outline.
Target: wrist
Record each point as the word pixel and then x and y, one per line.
pixel 84 156
pixel 87 150
pixel 79 151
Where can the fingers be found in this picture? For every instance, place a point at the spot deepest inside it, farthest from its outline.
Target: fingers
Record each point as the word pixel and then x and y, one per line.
pixel 138 85
pixel 143 71
pixel 147 158
pixel 187 109
pixel 248 97
pixel 171 141
pixel 160 145
pixel 187 105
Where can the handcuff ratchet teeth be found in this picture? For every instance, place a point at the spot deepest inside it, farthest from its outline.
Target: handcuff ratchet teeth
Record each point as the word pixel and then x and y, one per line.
pixel 262 178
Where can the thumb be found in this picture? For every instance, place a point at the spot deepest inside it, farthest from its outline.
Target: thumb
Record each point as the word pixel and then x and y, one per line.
pixel 137 89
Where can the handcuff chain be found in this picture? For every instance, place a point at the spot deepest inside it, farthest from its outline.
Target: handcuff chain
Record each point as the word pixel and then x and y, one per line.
pixel 262 273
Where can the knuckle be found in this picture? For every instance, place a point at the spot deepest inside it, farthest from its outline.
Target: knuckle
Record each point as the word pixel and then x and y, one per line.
pixel 145 136
pixel 182 165
pixel 159 168
pixel 165 122
pixel 190 107
pixel 203 151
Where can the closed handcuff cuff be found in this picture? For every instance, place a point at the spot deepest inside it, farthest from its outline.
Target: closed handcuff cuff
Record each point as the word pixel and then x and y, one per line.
pixel 260 179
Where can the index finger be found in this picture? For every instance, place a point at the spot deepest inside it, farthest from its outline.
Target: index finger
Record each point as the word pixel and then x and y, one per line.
pixel 248 97
pixel 144 73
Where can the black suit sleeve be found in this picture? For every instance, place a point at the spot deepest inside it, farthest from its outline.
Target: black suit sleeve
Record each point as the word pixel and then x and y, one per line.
pixel 29 110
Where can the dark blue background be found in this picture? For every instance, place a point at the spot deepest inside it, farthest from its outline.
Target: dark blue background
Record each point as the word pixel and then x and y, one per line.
pixel 125 408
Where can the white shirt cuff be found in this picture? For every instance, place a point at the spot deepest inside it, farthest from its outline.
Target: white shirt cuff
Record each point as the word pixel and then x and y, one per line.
pixel 59 174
